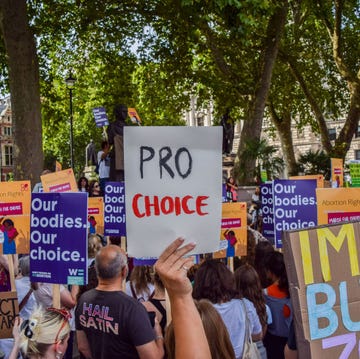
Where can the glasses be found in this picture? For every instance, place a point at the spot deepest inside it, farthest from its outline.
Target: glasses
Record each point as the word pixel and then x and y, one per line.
pixel 96 186
pixel 65 314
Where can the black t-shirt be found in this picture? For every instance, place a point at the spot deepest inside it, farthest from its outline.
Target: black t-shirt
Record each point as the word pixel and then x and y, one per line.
pixel 114 324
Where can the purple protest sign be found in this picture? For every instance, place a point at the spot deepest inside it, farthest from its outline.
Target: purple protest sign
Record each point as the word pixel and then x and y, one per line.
pixel 294 206
pixel 224 197
pixel 114 213
pixel 100 116
pixel 58 239
pixel 267 210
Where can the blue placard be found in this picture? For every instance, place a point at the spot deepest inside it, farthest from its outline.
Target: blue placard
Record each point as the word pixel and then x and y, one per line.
pixel 294 206
pixel 58 239
pixel 100 116
pixel 267 210
pixel 114 211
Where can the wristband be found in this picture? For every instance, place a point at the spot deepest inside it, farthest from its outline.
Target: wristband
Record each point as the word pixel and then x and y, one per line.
pixel 159 337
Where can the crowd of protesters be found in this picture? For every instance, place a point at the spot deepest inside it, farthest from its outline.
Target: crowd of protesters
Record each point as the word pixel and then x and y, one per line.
pixel 175 309
pixel 107 318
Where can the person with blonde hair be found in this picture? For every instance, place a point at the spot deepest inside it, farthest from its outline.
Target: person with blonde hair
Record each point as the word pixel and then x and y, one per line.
pixel 94 245
pixel 44 335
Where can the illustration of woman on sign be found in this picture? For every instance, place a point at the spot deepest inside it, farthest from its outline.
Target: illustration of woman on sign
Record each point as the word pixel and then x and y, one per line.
pixel 92 224
pixel 9 235
pixel 231 239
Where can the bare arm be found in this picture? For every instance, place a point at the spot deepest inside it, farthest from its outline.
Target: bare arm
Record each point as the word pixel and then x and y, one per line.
pixel 66 299
pixel 83 344
pixel 190 338
pixel 16 334
pixel 290 354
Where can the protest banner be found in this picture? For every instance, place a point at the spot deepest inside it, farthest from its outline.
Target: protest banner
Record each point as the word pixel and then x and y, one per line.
pixel 355 174
pixel 15 200
pixel 96 215
pixel 233 241
pixel 9 309
pixel 114 212
pixel 134 117
pixel 61 181
pixel 267 210
pixel 58 243
pixel 319 179
pixel 294 206
pixel 100 117
pixel 337 172
pixel 322 265
pixel 173 181
pixel 337 205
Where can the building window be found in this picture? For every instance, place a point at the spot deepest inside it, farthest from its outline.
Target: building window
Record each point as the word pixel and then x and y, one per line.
pixel 357 133
pixel 200 119
pixel 8 155
pixel 7 131
pixel 332 134
pixel 357 155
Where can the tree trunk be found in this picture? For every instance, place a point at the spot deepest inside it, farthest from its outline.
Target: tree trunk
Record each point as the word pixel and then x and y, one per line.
pixel 343 141
pixel 24 89
pixel 244 167
pixel 283 127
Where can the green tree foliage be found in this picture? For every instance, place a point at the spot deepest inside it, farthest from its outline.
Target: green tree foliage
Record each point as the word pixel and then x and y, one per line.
pixel 315 162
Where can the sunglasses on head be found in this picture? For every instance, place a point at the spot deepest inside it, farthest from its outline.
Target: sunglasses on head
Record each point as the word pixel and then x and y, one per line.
pixel 65 314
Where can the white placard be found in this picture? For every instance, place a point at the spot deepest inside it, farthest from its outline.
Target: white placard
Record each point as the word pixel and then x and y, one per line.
pixel 173 178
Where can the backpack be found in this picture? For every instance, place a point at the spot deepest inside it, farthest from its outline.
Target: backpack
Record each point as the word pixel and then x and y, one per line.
pixel 97 167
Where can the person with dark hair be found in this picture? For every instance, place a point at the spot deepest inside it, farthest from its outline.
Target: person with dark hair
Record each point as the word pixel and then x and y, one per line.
pixel 215 282
pixel 115 240
pixel 103 160
pixel 231 190
pixel 215 331
pixel 83 184
pixel 248 286
pixel 94 189
pixel 277 297
pixel 109 323
pixel 140 285
pixel 9 234
pixel 115 134
pixel 262 249
pixel 156 303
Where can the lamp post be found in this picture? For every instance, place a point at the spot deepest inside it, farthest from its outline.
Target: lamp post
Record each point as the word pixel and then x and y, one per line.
pixel 70 82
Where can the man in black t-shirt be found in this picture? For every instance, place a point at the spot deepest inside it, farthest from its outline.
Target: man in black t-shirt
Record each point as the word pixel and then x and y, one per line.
pixel 109 323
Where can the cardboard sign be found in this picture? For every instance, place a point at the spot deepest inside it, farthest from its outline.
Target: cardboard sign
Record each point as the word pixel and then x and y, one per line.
pixel 9 309
pixel 267 210
pixel 61 181
pixel 337 172
pixel 114 214
pixel 15 198
pixel 173 181
pixel 96 215
pixel 337 205
pixel 323 270
pixel 58 246
pixel 294 206
pixel 233 241
pixel 319 179
pixel 100 117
